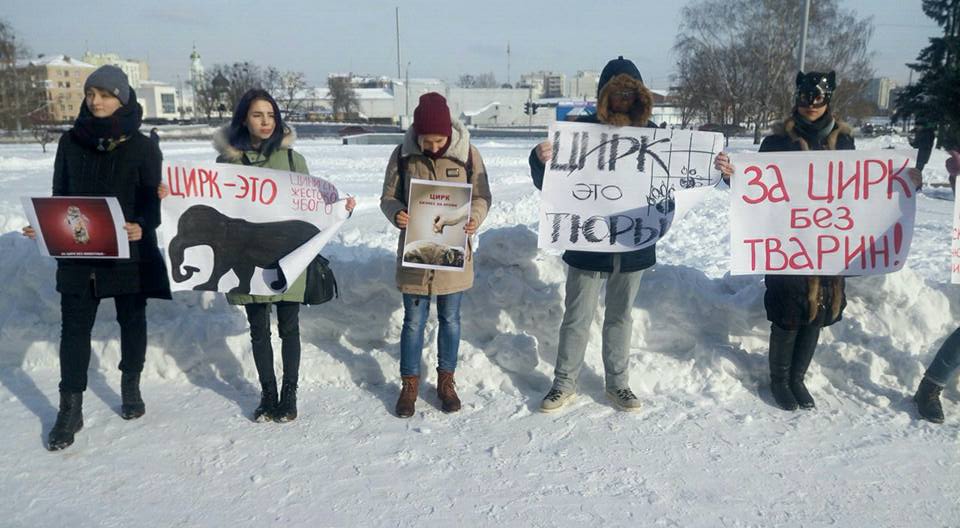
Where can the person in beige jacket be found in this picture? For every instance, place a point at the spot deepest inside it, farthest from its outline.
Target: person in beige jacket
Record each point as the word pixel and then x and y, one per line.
pixel 435 148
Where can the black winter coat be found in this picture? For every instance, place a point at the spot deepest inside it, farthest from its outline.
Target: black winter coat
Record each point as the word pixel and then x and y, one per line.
pixel 589 260
pixel 792 301
pixel 131 173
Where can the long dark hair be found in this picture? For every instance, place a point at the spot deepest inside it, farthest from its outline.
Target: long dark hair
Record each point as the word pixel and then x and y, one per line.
pixel 238 134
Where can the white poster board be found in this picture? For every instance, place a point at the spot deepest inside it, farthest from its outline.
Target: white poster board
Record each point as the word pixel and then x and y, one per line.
pixel 435 236
pixel 614 189
pixel 838 212
pixel 78 226
pixel 243 229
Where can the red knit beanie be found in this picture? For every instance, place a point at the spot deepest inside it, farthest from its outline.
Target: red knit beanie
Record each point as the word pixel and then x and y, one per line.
pixel 432 115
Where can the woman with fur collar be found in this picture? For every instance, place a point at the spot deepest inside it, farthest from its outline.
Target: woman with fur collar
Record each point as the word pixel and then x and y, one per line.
pixel 257 136
pixel 799 306
pixel 438 148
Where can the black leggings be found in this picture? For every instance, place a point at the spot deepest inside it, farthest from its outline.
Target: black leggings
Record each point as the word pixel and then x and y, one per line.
pixel 288 324
pixel 78 313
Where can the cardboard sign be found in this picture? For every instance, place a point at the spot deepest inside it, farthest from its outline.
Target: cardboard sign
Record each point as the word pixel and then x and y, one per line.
pixel 821 213
pixel 614 189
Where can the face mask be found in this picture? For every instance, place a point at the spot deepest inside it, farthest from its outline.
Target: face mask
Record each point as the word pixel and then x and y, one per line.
pixel 815 89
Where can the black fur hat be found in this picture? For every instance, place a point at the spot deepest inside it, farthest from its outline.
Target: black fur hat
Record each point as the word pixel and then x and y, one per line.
pixel 815 89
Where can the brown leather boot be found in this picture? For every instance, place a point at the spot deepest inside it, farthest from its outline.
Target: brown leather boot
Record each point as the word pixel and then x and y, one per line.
pixel 446 392
pixel 408 396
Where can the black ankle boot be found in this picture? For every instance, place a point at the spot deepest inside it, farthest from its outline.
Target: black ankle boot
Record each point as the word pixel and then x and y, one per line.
pixel 268 402
pixel 287 408
pixel 69 421
pixel 927 399
pixel 132 406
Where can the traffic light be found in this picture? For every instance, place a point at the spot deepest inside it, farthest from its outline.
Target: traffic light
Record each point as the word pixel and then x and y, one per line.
pixel 526 108
pixel 530 108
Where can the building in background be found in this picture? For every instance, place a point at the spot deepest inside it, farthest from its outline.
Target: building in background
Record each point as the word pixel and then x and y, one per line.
pixel 159 100
pixel 61 79
pixel 878 92
pixel 583 85
pixel 544 84
pixel 137 71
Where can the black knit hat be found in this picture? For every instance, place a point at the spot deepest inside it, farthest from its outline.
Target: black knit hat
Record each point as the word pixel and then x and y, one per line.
pixel 616 67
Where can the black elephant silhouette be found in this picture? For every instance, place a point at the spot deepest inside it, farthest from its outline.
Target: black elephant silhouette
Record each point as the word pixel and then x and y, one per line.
pixel 237 244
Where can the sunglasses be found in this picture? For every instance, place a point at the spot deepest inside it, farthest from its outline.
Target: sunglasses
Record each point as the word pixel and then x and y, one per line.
pixel 625 94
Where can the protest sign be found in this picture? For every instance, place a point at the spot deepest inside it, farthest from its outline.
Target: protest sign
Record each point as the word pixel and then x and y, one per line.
pixel 821 213
pixel 435 236
pixel 243 229
pixel 614 189
pixel 78 227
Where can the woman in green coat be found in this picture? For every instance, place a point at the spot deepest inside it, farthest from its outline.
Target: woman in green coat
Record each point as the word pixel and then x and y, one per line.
pixel 257 136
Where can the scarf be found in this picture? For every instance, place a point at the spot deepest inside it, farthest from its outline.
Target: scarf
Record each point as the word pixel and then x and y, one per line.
pixel 816 132
pixel 106 133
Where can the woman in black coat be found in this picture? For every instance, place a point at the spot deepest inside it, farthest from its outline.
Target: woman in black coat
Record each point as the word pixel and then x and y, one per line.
pixel 104 154
pixel 798 307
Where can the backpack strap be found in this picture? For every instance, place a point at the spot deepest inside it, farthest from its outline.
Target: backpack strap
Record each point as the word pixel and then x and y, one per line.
pixel 290 159
pixel 245 160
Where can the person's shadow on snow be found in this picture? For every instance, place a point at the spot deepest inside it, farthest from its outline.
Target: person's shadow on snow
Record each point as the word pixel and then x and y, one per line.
pixel 196 333
pixel 358 321
pixel 30 315
pixel 508 285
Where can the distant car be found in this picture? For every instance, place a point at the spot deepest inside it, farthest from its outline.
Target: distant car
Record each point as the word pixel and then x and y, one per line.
pixel 726 130
pixel 353 130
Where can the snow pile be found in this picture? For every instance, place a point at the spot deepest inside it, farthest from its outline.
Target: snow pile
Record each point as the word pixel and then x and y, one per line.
pixel 699 363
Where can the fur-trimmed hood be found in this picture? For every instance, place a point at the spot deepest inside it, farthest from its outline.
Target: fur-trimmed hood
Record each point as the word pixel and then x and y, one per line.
pixel 221 142
pixel 459 148
pixel 789 128
pixel 642 108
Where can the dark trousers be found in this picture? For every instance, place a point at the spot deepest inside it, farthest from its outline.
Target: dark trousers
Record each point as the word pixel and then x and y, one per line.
pixel 78 313
pixel 288 324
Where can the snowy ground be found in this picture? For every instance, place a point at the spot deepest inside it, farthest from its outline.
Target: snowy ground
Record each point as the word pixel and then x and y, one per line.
pixel 708 449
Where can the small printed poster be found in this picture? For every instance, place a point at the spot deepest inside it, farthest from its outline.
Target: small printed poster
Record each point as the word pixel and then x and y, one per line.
pixel 435 236
pixel 78 226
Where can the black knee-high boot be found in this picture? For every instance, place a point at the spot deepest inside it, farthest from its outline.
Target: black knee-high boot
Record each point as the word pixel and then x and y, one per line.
pixel 803 350
pixel 781 359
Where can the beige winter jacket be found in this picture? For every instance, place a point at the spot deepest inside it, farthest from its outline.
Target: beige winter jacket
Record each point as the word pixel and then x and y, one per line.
pixel 450 168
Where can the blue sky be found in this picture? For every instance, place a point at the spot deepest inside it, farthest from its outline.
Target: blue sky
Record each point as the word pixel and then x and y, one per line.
pixel 439 38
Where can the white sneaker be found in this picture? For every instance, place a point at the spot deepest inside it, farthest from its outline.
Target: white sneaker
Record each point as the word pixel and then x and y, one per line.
pixel 624 399
pixel 555 399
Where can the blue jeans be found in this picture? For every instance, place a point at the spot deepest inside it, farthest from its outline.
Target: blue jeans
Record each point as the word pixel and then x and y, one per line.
pixel 946 361
pixel 416 309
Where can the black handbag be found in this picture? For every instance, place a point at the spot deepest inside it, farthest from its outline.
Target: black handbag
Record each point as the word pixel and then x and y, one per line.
pixel 321 284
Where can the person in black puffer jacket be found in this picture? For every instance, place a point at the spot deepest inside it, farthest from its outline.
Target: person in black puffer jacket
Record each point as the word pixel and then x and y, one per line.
pixel 104 154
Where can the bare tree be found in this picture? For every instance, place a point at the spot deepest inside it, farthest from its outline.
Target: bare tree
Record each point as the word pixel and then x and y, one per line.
pixel 737 58
pixel 483 80
pixel 42 128
pixel 343 98
pixel 21 91
pixel 289 91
